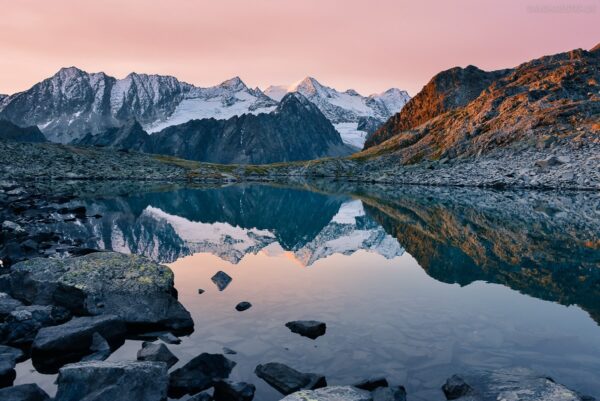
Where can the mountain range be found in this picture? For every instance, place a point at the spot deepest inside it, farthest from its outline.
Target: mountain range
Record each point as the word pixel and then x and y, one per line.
pixel 73 103
pixel 294 130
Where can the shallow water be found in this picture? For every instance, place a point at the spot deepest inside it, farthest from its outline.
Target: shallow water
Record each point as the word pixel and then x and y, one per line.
pixel 414 284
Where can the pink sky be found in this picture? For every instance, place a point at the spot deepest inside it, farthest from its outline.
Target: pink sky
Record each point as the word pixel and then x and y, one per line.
pixel 366 45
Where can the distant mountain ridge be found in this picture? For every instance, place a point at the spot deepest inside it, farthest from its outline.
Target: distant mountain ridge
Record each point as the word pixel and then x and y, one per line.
pixel 73 102
pixel 295 130
pixel 348 109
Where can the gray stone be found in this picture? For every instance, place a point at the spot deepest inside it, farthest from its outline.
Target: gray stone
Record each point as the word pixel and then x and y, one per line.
pixel 307 328
pixel 199 374
pixel 287 380
pixel 7 304
pixel 100 349
pixel 333 393
pixel 139 291
pixel 112 381
pixel 21 325
pixel 156 353
pixel 12 226
pixel 226 390
pixel 23 392
pixel 395 393
pixel 221 280
pixel 7 370
pixel 55 346
pixel 15 353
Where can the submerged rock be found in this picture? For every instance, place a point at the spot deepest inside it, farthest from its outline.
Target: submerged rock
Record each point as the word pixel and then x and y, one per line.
pixel 199 374
pixel 57 345
pixel 286 380
pixel 307 328
pixel 221 279
pixel 455 387
pixel 372 383
pixel 242 306
pixel 333 393
pixel 23 392
pixel 395 393
pixel 512 384
pixel 226 390
pixel 112 381
pixel 157 353
pixel 140 292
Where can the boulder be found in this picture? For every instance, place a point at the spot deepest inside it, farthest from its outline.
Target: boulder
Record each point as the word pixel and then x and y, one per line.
pixel 455 387
pixel 221 279
pixel 21 325
pixel 201 397
pixel 394 393
pixel 7 370
pixel 23 392
pixel 333 393
pixel 156 353
pixel 226 390
pixel 112 381
pixel 55 346
pixel 372 383
pixel 140 292
pixel 100 349
pixel 199 374
pixel 11 226
pixel 15 353
pixel 287 380
pixel 242 306
pixel 307 328
pixel 7 305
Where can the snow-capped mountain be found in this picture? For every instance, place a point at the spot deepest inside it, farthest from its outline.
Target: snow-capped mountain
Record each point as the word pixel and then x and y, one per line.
pixel 73 102
pixel 346 110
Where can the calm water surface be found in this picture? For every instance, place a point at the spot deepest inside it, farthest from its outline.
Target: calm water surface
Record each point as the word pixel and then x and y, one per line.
pixel 414 284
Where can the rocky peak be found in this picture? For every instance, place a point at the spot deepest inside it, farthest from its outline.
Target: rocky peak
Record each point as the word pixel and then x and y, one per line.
pixel 295 101
pixel 308 86
pixel 234 84
pixel 595 49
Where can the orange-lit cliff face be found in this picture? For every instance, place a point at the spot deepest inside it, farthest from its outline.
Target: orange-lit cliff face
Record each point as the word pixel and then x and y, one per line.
pixel 348 44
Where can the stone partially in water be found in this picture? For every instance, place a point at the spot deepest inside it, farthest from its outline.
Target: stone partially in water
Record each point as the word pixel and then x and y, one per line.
pixel 23 392
pixel 199 374
pixel 395 393
pixel 55 346
pixel 112 381
pixel 137 290
pixel 333 393
pixel 372 383
pixel 287 380
pixel 242 306
pixel 226 390
pixel 157 353
pixel 221 279
pixel 307 328
pixel 455 387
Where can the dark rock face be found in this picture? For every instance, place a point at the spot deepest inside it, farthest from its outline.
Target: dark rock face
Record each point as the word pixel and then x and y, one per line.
pixel 296 130
pixel 112 381
pixel 369 124
pixel 395 393
pixel 221 280
pixel 7 305
pixel 307 328
pixel 446 91
pixel 226 390
pixel 12 132
pixel 138 291
pixel 23 392
pixel 372 383
pixel 157 353
pixel 455 387
pixel 199 374
pixel 56 345
pixel 242 306
pixel 287 380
